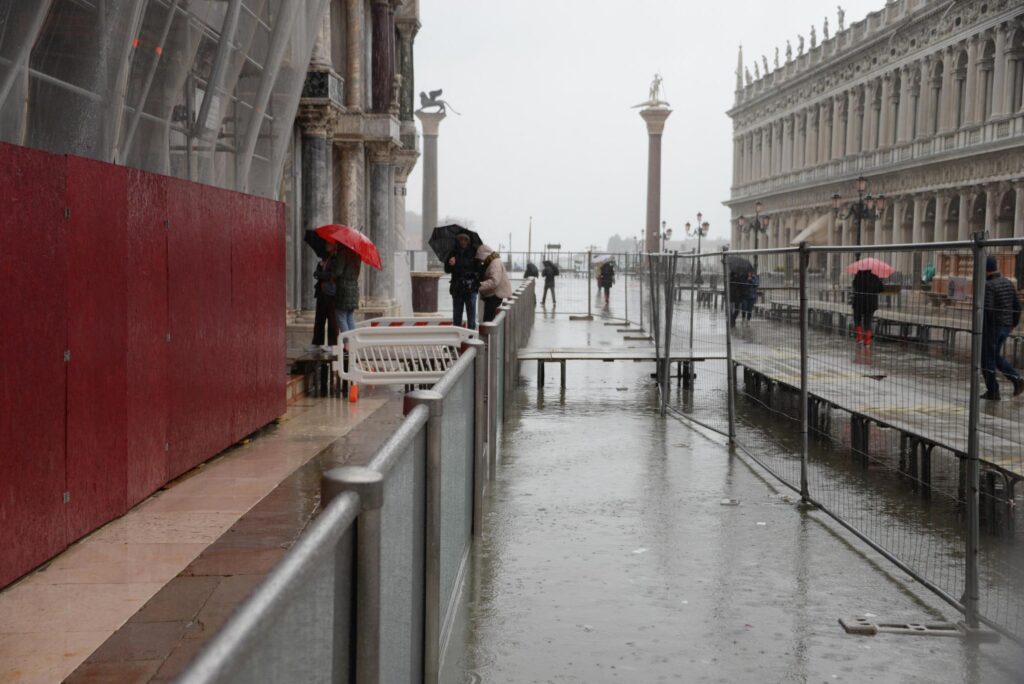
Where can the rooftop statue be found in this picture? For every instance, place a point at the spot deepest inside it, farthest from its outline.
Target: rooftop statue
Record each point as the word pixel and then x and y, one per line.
pixel 776 58
pixel 654 94
pixel 842 17
pixel 814 37
pixel 789 52
pixel 824 30
pixel 434 100
pixel 748 76
pixel 799 45
pixel 764 61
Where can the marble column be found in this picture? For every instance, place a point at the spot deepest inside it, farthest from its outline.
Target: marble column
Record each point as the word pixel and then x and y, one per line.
pixel 947 101
pixel 963 230
pixel 351 209
pixel 838 131
pixel 1018 211
pixel 431 123
pixel 903 121
pixel 939 226
pixel 317 183
pixel 383 66
pixel 320 59
pixel 355 39
pixel 868 110
pixel 917 235
pixel 824 131
pixel 853 127
pixel 655 118
pixel 971 115
pixel 406 67
pixel 999 72
pixel 885 124
pixel 811 140
pixel 380 284
pixel 991 209
pixel 787 144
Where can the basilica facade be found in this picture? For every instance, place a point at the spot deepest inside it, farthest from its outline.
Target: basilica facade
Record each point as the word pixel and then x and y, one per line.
pixel 924 99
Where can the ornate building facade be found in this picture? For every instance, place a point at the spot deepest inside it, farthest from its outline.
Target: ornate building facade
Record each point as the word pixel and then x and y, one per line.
pixel 924 98
pixel 355 142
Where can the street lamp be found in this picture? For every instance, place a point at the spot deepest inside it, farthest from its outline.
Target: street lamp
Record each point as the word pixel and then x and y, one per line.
pixel 666 234
pixel 866 208
pixel 700 231
pixel 759 226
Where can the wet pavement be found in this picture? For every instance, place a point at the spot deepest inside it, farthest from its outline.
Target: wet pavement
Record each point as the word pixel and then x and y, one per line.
pixel 621 546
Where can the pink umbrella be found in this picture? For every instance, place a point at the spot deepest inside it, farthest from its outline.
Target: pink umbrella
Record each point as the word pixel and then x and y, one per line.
pixel 879 268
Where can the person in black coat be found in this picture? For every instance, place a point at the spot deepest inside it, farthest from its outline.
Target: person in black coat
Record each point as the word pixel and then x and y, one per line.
pixel 549 274
pixel 866 288
pixel 1002 314
pixel 325 290
pixel 465 271
pixel 606 278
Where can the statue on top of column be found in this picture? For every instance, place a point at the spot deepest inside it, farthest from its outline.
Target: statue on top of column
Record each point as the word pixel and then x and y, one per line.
pixel 842 17
pixel 434 100
pixel 655 88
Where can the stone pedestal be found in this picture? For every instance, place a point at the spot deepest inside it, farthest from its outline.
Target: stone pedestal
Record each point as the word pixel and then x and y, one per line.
pixel 654 117
pixel 431 122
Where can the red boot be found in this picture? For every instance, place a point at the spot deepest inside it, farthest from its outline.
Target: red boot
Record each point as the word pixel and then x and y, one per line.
pixel 860 334
pixel 867 338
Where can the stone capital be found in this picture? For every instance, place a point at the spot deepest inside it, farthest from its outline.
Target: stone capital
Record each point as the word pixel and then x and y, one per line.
pixel 317 121
pixel 430 121
pixel 655 118
pixel 405 161
pixel 380 152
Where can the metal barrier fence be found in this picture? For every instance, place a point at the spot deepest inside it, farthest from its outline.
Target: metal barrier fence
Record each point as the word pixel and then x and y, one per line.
pixel 863 395
pixel 369 593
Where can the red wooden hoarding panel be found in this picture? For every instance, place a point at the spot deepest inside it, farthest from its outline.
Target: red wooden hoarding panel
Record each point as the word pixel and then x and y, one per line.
pixel 246 285
pixel 148 404
pixel 33 337
pixel 97 337
pixel 271 329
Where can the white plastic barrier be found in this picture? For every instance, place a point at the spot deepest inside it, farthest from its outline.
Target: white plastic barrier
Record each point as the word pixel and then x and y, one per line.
pixel 403 355
pixel 404 322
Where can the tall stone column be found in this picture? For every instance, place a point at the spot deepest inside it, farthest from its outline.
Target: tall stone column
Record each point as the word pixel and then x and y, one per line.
pixel 431 123
pixel 991 209
pixel 866 135
pixel 317 183
pixel 903 124
pixel 1018 211
pixel 838 131
pixel 917 235
pixel 853 124
pixel 824 131
pixel 787 144
pixel 352 210
pixel 947 101
pixel 655 118
pixel 885 124
pixel 811 146
pixel 971 114
pixel 999 72
pixel 383 63
pixel 939 226
pixel 380 284
pixel 355 38
pixel 963 229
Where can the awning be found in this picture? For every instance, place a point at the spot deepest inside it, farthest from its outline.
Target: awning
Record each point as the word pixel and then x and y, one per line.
pixel 814 234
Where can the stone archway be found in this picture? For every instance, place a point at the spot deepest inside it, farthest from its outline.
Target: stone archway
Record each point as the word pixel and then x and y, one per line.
pixel 1007 208
pixel 976 219
pixel 953 218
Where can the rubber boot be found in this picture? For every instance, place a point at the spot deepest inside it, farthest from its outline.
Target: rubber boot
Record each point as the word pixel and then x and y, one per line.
pixel 867 338
pixel 860 334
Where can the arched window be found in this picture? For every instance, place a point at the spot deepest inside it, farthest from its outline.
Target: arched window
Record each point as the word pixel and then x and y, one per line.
pixel 936 97
pixel 960 77
pixel 987 65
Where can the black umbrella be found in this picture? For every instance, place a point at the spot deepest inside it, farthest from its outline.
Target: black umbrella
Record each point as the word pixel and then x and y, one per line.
pixel 531 270
pixel 318 244
pixel 443 239
pixel 739 266
pixel 553 266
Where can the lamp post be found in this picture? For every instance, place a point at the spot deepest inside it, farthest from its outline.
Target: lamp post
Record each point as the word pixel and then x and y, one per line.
pixel 700 230
pixel 866 208
pixel 666 234
pixel 759 226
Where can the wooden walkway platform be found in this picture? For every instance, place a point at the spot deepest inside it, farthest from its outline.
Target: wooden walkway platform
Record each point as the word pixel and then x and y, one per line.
pixel 683 359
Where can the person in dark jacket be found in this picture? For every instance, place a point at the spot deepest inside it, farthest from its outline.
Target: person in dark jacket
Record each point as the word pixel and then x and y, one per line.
pixel 866 288
pixel 606 278
pixel 739 288
pixel 465 271
pixel 1002 314
pixel 325 289
pixel 531 270
pixel 347 280
pixel 549 274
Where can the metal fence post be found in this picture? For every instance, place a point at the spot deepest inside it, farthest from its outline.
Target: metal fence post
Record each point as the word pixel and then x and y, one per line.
pixel 804 261
pixel 652 273
pixel 625 293
pixel 432 567
pixel 666 365
pixel 369 485
pixel 973 471
pixel 693 294
pixel 637 268
pixel 730 369
pixel 479 432
pixel 488 332
pixel 590 278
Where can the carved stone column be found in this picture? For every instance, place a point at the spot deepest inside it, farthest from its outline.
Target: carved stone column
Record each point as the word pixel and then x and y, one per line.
pixel 824 131
pixel 867 138
pixel 655 118
pixel 406 67
pixel 903 122
pixel 939 225
pixel 885 124
pixel 356 49
pixel 1018 211
pixel 853 124
pixel 917 235
pixel 963 230
pixel 383 55
pixel 971 115
pixel 999 72
pixel 380 290
pixel 947 103
pixel 991 209
pixel 811 140
pixel 838 128
pixel 352 209
pixel 431 123
pixel 317 184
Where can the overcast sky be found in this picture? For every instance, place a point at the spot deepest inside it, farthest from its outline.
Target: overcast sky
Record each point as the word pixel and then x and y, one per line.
pixel 545 88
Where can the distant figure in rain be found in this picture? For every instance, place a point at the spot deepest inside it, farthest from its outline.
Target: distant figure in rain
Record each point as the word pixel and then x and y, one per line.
pixel 494 283
pixel 606 278
pixel 866 288
pixel 531 270
pixel 549 274
pixel 347 281
pixel 1002 314
pixel 325 290
pixel 462 265
pixel 743 295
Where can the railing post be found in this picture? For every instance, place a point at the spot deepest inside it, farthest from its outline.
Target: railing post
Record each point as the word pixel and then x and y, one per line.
pixel 479 432
pixel 369 485
pixel 804 399
pixel 432 567
pixel 590 277
pixel 670 272
pixel 973 470
pixel 625 293
pixel 637 268
pixel 487 334
pixel 693 295
pixel 509 349
pixel 730 369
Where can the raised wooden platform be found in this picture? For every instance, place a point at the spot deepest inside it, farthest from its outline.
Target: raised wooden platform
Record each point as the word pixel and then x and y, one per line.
pixel 684 359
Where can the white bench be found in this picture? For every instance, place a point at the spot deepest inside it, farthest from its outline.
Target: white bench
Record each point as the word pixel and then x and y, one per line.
pixel 403 355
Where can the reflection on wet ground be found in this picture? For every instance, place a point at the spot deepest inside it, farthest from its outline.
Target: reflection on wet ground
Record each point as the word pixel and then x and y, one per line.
pixel 616 551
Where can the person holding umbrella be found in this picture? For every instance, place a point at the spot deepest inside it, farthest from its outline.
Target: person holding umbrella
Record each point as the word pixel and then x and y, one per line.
pixel 549 274
pixel 461 264
pixel 347 279
pixel 494 283
pixel 740 283
pixel 606 278
pixel 867 285
pixel 1002 315
pixel 325 290
pixel 531 270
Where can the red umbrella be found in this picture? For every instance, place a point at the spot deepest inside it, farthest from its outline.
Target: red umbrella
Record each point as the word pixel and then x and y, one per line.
pixel 327 232
pixel 356 241
pixel 879 268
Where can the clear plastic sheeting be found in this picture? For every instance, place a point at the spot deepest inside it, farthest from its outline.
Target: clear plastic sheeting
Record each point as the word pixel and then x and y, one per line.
pixel 205 90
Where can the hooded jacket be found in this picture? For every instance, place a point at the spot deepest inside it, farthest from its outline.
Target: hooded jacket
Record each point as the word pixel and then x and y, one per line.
pixel 1002 306
pixel 494 280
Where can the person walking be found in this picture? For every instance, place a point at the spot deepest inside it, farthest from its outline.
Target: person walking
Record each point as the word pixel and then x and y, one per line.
pixel 347 280
pixel 549 274
pixel 864 298
pixel 1002 314
pixel 607 279
pixel 494 283
pixel 462 266
pixel 325 289
pixel 739 286
pixel 750 301
pixel 531 270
